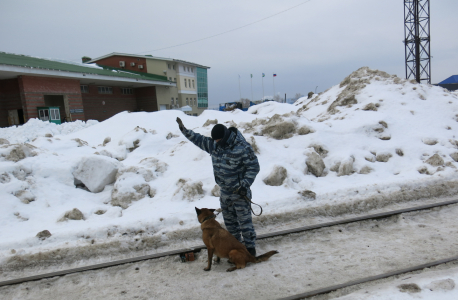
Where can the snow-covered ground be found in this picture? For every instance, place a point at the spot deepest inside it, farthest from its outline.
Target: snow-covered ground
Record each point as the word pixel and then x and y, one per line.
pixel 306 261
pixel 370 141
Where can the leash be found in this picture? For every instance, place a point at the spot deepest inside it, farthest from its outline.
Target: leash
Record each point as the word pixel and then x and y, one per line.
pixel 251 202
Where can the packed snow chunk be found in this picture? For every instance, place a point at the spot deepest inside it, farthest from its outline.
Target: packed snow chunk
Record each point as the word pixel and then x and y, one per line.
pixel 424 170
pixel 17 152
pixel 74 214
pixel 251 126
pixel 210 122
pixel 278 128
pixel 399 152
pixel 216 191
pixel 454 143
pixel 436 160
pixel 171 135
pixel 154 163
pixel 304 130
pixel 383 157
pixel 80 142
pixel 335 167
pixel 308 194
pixel 4 142
pixel 346 167
pixel 42 235
pixel 441 285
pixel 132 139
pixel 409 288
pixel 130 186
pixel 95 172
pixel 5 178
pixel 254 145
pixel 371 106
pixel 147 174
pixel 100 212
pixel 454 156
pixel 430 141
pixel 106 140
pixel 383 123
pixel 314 162
pixel 365 170
pixel 276 177
pixel 189 190
pixel 320 150
pixel 25 196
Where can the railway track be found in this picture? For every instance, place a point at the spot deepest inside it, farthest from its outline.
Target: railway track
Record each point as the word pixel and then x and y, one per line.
pixel 263 236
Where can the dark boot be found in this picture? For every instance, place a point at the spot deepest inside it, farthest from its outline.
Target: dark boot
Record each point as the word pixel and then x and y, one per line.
pixel 252 251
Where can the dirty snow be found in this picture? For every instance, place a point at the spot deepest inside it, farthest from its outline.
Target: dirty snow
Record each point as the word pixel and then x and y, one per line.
pixel 306 261
pixel 374 133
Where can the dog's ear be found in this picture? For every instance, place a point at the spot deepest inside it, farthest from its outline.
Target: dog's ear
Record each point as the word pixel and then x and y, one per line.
pixel 212 209
pixel 198 211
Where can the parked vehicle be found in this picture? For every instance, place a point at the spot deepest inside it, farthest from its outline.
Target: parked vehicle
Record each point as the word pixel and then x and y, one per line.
pixel 229 106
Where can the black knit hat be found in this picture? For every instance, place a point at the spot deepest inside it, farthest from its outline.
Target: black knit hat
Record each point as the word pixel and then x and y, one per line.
pixel 218 131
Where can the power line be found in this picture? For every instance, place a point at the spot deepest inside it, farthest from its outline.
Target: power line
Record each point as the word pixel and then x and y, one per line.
pixel 231 30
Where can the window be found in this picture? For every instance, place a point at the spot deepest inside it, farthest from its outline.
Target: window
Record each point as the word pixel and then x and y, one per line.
pixel 170 78
pixel 84 89
pixel 187 101
pixel 168 65
pixel 185 83
pixel 184 68
pixel 189 82
pixel 127 91
pixel 193 86
pixel 192 70
pixel 172 102
pixel 173 67
pixel 174 79
pixel 188 69
pixel 105 90
pixel 195 102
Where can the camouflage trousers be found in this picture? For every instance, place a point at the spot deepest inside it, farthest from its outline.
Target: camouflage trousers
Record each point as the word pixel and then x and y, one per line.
pixel 237 218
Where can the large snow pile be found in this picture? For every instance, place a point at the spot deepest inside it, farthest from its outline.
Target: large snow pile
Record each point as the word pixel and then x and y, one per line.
pixel 372 140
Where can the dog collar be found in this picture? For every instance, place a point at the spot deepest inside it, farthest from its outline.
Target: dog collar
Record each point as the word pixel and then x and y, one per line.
pixel 208 218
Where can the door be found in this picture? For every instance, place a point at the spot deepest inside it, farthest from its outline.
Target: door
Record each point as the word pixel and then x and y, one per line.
pixel 13 117
pixel 162 107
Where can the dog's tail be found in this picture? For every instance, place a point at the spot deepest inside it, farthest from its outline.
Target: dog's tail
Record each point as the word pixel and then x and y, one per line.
pixel 265 256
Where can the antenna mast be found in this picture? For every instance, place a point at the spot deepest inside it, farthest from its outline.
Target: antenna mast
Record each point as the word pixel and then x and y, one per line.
pixel 417 40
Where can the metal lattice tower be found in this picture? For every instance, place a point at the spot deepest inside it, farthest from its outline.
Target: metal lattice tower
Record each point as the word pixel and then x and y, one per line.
pixel 417 40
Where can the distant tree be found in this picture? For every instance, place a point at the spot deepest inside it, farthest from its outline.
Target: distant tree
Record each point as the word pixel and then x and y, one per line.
pixel 297 96
pixel 245 102
pixel 278 98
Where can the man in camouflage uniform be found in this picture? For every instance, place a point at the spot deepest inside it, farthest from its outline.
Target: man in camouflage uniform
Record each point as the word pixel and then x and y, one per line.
pixel 235 167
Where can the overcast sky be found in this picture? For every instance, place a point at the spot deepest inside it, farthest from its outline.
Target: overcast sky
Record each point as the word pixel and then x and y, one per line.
pixel 315 44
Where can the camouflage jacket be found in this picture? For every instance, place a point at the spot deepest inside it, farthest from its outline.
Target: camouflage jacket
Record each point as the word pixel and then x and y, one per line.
pixel 234 164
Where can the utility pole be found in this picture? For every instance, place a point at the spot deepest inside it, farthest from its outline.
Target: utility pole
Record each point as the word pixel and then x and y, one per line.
pixel 240 91
pixel 417 40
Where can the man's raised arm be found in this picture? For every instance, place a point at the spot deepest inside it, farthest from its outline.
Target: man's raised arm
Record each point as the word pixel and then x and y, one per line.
pixel 203 142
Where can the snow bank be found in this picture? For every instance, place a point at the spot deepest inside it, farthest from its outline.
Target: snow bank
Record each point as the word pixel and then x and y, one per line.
pixel 370 141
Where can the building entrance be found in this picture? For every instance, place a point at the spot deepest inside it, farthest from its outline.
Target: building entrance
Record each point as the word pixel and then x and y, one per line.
pixel 59 101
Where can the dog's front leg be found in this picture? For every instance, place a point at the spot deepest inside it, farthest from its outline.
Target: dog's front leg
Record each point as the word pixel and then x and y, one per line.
pixel 210 258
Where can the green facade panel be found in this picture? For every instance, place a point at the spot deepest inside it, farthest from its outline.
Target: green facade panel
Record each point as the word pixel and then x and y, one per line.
pixel 202 88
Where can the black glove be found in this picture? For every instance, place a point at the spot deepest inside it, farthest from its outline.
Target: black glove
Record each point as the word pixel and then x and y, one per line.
pixel 180 124
pixel 242 191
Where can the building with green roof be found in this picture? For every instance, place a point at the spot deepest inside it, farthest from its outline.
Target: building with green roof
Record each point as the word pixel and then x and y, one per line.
pixel 81 91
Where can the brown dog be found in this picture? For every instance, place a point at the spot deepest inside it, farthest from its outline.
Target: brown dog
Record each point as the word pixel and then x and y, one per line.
pixel 220 242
